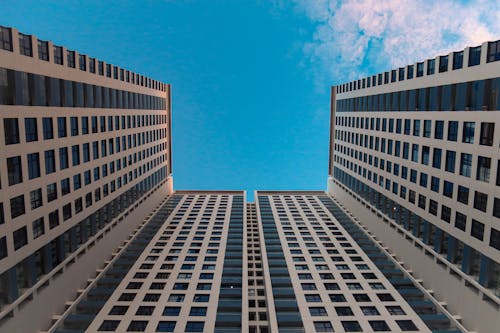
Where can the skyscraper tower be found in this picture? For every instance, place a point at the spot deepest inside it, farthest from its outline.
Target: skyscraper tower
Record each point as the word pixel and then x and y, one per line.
pixel 85 156
pixel 414 155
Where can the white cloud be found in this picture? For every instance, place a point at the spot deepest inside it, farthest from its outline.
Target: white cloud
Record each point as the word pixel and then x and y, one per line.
pixel 362 37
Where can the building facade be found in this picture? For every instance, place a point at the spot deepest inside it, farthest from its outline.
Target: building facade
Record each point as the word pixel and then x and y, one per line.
pixel 84 143
pixel 414 154
pixel 208 261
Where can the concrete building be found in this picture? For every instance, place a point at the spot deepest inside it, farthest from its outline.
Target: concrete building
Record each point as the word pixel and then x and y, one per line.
pixel 208 261
pixel 84 157
pixel 414 155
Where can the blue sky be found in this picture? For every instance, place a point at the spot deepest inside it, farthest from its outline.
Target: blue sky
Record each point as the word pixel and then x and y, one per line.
pixel 250 79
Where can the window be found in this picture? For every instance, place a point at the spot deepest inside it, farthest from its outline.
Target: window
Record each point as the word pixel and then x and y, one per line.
pixel 31 129
pixel 48 129
pixel 11 130
pixel 195 326
pixel 43 50
pixel 313 298
pixel 317 311
pixel 20 238
pixel 75 154
pixel 61 127
pixel 448 189
pixel 474 56
pixel 379 325
pixel 438 130
pixel 460 221
pixel 431 64
pixel 495 239
pixel 63 158
pixel 33 165
pixel 198 311
pixel 171 310
pixel 109 325
pixel 71 58
pixel 82 62
pixel 477 229
pixel 38 228
pixel 5 39
pixel 458 60
pixel 25 47
pixel 323 326
pixel 51 192
pixel 201 298
pixel 74 126
pixel 14 170
pixel 443 64
pixel 36 198
pixel 137 326
pixel 483 169
pixel 50 163
pixel 487 132
pixel 493 51
pixel 370 311
pixel 58 55
pixel 351 326
pixel 17 206
pixel 450 161
pixel 468 132
pixel 480 201
pixel 496 207
pixel 463 194
pixel 420 69
pixel 344 311
pixel 452 130
pixel 465 164
pixel 406 325
pixel 165 326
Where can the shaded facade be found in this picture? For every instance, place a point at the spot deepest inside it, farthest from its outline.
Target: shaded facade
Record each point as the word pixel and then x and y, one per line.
pixel 416 149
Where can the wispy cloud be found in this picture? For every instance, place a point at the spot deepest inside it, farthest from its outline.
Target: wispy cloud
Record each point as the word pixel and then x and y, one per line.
pixel 360 37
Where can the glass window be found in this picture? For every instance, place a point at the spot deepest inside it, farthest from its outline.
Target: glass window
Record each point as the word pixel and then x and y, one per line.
pixel 11 130
pixel 493 51
pixel 50 163
pixel 431 64
pixel 74 126
pixel 38 228
pixel 5 39
pixel 58 55
pixel 439 129
pixel 82 62
pixel 195 326
pixel 450 161
pixel 71 58
pixel 14 170
pixel 43 50
pixel 323 326
pixel 427 128
pixel 61 127
pixel 17 206
pixel 448 189
pixel 465 164
pixel 483 169
pixel 468 132
pixel 20 238
pixel 443 64
pixel 480 201
pixel 477 230
pixel 36 198
pixel 51 192
pixel 460 221
pixel 25 47
pixel 31 129
pixel 458 60
pixel 420 69
pixel 487 134
pixel 463 194
pixel 452 130
pixel 33 165
pixel 63 158
pixel 474 56
pixel 436 158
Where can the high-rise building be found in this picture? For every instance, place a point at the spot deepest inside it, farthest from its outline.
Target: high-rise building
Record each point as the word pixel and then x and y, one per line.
pixel 84 157
pixel 208 261
pixel 414 155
